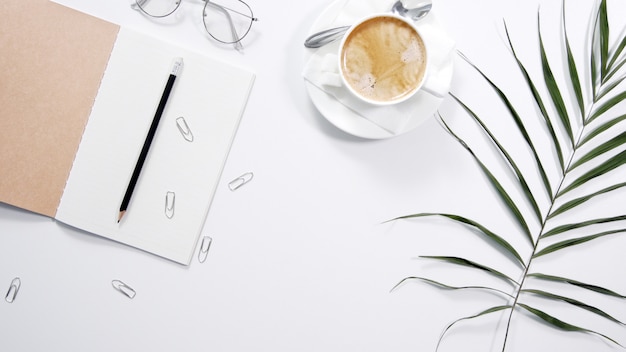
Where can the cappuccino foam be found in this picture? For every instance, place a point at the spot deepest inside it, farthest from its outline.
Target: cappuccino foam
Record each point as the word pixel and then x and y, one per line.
pixel 383 59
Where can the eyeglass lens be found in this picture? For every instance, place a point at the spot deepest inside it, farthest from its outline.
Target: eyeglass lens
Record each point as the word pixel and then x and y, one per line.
pixel 227 21
pixel 158 8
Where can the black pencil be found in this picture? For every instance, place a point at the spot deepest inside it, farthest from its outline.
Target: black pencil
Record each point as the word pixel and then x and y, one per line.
pixel 176 67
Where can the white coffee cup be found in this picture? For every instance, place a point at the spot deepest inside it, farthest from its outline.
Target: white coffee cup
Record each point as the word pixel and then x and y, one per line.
pixel 383 60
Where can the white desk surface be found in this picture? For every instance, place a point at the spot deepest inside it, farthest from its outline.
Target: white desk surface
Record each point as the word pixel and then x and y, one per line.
pixel 301 258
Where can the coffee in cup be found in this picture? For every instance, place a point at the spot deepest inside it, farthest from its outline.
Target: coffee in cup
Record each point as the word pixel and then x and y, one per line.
pixel 383 59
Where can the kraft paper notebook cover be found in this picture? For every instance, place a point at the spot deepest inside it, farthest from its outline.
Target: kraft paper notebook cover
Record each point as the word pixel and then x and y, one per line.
pixel 76 101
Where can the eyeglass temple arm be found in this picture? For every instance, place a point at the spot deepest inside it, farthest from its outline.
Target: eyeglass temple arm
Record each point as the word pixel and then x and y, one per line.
pixel 138 3
pixel 237 41
pixel 224 8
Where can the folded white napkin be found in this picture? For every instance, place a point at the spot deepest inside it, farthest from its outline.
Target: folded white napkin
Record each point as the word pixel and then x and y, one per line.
pixel 322 69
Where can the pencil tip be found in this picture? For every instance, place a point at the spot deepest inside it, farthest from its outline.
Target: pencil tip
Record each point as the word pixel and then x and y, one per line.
pixel 120 216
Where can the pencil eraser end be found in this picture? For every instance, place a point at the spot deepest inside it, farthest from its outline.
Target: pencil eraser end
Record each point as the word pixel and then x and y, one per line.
pixel 177 66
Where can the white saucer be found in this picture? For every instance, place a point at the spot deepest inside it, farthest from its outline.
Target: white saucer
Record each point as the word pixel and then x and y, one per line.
pixel 349 121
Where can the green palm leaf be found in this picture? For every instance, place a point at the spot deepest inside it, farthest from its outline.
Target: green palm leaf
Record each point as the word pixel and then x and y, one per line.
pixel 520 177
pixel 607 166
pixel 573 302
pixel 599 47
pixel 498 186
pixel 449 287
pixel 564 228
pixel 572 204
pixel 616 55
pixel 538 100
pixel 602 128
pixel 607 146
pixel 497 239
pixel 603 27
pixel 573 71
pixel 574 242
pixel 606 106
pixel 586 286
pixel 608 88
pixel 471 264
pixel 553 89
pixel 522 129
pixel 557 323
pixel 491 310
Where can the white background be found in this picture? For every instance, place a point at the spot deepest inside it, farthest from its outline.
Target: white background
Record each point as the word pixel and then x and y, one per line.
pixel 302 259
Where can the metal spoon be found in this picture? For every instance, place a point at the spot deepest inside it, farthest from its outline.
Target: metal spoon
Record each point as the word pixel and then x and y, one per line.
pixel 330 35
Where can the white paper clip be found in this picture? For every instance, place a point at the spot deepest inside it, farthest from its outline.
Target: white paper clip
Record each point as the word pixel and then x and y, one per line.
pixel 170 202
pixel 123 288
pixel 240 181
pixel 184 129
pixel 13 289
pixel 204 249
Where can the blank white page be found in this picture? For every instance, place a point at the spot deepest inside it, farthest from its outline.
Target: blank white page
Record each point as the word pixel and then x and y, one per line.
pixel 210 95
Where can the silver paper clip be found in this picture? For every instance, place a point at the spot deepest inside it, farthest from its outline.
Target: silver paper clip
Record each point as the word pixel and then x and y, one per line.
pixel 240 181
pixel 184 129
pixel 204 249
pixel 13 289
pixel 170 202
pixel 123 288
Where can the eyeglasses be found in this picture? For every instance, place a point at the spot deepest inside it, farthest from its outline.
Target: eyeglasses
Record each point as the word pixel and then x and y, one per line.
pixel 226 21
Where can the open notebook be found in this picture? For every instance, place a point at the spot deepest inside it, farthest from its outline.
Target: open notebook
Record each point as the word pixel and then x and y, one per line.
pixel 76 103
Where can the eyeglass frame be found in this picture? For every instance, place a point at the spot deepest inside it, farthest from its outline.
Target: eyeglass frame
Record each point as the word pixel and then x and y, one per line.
pixel 136 6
